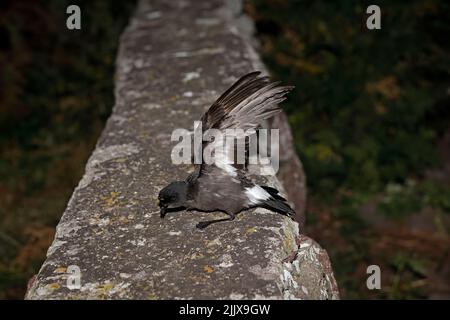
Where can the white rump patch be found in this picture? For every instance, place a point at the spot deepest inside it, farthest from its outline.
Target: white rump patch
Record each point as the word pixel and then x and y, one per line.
pixel 256 194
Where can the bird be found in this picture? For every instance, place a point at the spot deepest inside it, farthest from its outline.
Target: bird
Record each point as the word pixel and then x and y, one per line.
pixel 224 185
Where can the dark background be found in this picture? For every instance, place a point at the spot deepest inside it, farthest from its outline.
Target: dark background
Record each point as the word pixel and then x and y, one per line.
pixel 370 115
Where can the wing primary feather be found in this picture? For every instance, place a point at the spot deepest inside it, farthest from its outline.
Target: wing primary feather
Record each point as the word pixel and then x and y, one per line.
pixel 232 97
pixel 238 83
pixel 245 105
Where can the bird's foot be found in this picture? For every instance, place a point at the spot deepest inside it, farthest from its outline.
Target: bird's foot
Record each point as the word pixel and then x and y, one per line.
pixel 204 224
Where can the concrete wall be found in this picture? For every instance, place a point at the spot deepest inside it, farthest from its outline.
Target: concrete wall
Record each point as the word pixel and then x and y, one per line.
pixel 175 59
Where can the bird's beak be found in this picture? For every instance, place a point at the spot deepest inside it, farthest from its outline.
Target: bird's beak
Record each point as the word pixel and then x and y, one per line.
pixel 162 213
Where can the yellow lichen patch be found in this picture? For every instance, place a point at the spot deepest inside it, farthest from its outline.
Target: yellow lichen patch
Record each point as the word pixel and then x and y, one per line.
pixel 250 230
pixel 289 241
pixel 54 286
pixel 152 296
pixel 60 270
pixel 123 219
pixel 105 288
pixel 110 200
pixel 208 269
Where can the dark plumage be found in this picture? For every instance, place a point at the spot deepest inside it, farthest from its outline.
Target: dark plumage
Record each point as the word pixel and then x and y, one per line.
pixel 223 186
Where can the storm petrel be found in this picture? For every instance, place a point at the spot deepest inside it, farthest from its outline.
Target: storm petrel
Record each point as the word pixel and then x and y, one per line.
pixel 223 185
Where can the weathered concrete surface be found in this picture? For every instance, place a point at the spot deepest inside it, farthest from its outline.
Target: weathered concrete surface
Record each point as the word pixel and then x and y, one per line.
pixel 175 59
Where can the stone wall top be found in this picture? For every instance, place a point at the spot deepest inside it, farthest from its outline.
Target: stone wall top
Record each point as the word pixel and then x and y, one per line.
pixel 175 58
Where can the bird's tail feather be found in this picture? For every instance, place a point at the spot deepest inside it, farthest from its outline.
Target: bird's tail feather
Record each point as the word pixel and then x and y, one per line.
pixel 276 202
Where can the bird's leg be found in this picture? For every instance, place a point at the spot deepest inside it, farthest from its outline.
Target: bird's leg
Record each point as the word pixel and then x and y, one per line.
pixel 163 211
pixel 204 224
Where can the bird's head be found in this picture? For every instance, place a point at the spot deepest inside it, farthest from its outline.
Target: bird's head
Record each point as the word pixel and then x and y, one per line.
pixel 172 196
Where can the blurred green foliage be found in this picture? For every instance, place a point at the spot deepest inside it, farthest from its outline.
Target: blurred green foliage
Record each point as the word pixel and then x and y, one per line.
pixel 368 111
pixel 369 105
pixel 56 91
pixel 400 200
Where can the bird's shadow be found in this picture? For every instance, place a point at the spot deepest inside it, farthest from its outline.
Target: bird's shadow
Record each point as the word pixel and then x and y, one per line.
pixel 170 210
pixel 202 224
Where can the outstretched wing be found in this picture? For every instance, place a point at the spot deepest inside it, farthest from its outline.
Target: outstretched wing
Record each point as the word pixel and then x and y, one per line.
pixel 245 105
pixel 241 89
